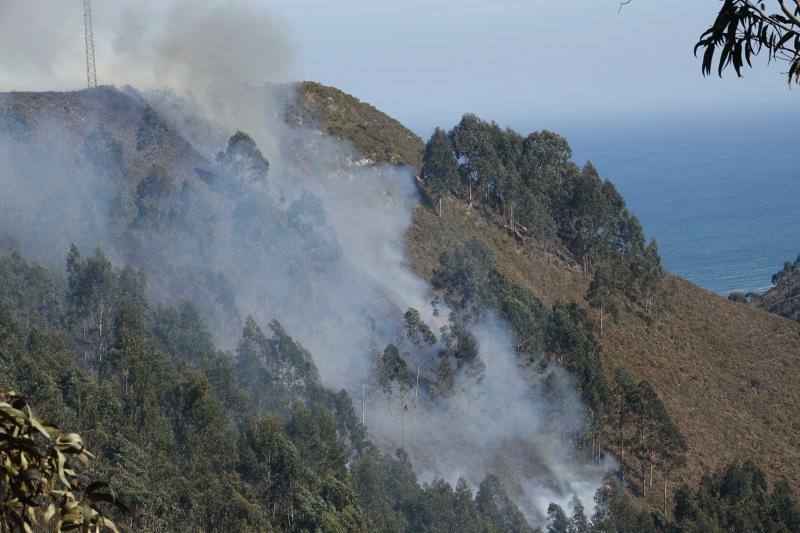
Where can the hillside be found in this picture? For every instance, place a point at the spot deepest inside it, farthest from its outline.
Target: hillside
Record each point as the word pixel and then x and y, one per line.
pixel 217 298
pixel 170 340
pixel 727 372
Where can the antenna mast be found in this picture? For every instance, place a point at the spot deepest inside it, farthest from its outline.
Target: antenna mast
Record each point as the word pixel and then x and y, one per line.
pixel 91 69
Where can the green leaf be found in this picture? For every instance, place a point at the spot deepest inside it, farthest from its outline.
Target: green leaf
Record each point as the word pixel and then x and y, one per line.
pixel 708 57
pixel 31 474
pixel 783 40
pixel 109 498
pixel 95 486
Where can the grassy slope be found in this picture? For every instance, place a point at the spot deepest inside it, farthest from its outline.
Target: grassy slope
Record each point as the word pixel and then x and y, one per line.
pixel 727 372
pixel 375 135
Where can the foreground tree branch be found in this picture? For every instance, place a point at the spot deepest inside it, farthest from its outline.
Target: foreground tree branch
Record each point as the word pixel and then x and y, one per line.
pixel 744 29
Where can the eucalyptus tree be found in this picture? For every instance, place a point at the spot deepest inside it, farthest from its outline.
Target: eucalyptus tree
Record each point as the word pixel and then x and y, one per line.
pixel 420 336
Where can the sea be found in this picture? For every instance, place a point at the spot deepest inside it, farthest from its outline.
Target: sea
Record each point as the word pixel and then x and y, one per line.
pixel 720 194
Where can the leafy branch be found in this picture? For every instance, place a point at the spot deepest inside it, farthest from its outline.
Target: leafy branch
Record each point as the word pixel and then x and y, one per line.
pixel 744 29
pixel 39 490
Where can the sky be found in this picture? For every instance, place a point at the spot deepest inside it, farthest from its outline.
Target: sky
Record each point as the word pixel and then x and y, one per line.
pixel 525 63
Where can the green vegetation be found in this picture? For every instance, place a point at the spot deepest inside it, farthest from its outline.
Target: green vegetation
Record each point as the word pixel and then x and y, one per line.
pixel 192 438
pixel 722 372
pixel 439 167
pixel 172 430
pixel 547 202
pixel 691 356
pixel 788 270
pixel 199 439
pixel 737 499
pixel 472 283
pixel 244 161
pixel 152 131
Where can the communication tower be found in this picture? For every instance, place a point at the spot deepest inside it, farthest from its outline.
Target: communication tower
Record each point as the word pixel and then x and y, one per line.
pixel 91 69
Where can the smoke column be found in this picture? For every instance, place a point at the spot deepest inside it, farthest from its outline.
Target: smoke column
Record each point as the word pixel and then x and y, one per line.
pixel 320 247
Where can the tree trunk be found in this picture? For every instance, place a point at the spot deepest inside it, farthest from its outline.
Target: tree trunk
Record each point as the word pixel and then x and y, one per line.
pixel 416 387
pixel 80 411
pixel 402 422
pixel 363 406
pixel 644 479
pixel 85 355
pixel 440 207
pixel 100 346
pixel 665 494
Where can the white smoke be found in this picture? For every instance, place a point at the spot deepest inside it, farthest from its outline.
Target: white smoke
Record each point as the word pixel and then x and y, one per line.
pixel 151 44
pixel 213 58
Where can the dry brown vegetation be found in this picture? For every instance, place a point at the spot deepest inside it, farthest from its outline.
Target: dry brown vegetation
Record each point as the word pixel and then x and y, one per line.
pixel 375 135
pixel 727 372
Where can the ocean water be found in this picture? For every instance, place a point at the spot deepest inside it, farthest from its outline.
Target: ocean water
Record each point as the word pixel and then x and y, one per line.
pixel 721 195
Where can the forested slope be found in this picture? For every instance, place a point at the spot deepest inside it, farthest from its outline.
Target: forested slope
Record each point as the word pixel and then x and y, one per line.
pixel 168 348
pixel 726 372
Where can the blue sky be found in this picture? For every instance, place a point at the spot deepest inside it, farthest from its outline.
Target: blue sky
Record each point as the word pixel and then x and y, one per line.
pixel 527 63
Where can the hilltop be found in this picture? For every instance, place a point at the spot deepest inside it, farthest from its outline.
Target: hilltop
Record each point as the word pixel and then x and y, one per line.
pixel 375 135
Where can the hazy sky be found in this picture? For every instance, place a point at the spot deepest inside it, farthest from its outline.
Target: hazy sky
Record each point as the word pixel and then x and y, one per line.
pixel 521 61
pixel 527 63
